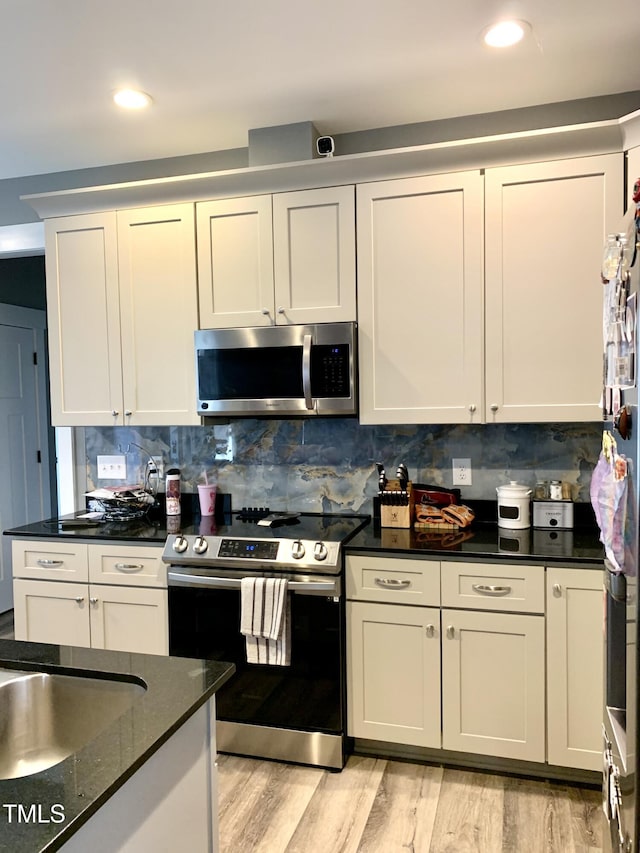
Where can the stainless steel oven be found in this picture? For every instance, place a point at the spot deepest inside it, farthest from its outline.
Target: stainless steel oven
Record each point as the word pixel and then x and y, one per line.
pixel 292 713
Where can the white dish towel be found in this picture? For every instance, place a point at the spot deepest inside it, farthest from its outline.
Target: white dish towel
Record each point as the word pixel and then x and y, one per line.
pixel 265 612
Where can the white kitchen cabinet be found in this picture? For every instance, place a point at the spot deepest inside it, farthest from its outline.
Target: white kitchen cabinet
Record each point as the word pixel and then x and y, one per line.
pixel 122 308
pixel 277 260
pixel 420 300
pixel 493 684
pixel 575 667
pixel 546 225
pixel 393 659
pixel 129 613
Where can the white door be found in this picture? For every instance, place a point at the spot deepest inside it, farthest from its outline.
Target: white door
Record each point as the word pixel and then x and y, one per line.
pixel 23 469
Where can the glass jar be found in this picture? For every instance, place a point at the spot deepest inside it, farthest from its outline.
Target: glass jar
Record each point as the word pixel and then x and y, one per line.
pixel 541 491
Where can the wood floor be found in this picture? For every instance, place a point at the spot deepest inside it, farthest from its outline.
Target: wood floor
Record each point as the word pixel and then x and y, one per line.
pixel 379 806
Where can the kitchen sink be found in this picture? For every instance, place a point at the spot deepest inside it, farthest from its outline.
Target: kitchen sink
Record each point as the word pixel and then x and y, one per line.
pixel 46 717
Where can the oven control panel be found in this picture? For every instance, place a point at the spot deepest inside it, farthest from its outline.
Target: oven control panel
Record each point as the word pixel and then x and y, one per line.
pixel 219 551
pixel 248 549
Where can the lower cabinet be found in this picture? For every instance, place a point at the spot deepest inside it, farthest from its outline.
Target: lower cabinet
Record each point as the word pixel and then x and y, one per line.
pixel 575 667
pixel 394 664
pixel 102 596
pixel 475 658
pixel 493 691
pixel 120 618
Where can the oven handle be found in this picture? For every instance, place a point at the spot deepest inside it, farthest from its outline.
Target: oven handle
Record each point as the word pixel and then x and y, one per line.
pixel 329 587
pixel 306 371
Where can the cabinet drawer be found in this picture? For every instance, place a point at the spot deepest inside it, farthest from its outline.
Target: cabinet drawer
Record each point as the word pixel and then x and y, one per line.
pixel 49 560
pixel 127 564
pixel 393 580
pixel 480 586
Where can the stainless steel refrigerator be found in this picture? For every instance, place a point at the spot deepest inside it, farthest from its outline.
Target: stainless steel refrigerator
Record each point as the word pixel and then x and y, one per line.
pixel 614 494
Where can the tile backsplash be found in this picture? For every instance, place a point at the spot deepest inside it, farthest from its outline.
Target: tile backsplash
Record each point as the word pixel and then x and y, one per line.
pixel 328 464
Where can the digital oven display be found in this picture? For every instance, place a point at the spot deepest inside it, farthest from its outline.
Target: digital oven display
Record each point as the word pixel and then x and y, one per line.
pixel 253 549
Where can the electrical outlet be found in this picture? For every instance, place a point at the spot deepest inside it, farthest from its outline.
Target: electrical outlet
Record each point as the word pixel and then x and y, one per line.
pixel 112 467
pixel 461 472
pixel 158 462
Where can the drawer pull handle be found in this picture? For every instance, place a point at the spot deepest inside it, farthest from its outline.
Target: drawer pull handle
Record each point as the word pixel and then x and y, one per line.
pixel 451 632
pixel 431 631
pixel 50 562
pixel 392 583
pixel 129 567
pixel 486 589
pixel 557 590
pixel 93 601
pixel 79 599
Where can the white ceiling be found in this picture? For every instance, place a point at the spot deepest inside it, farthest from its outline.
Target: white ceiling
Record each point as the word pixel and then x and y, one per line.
pixel 218 68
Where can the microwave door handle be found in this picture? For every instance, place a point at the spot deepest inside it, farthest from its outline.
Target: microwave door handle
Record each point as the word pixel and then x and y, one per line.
pixel 306 371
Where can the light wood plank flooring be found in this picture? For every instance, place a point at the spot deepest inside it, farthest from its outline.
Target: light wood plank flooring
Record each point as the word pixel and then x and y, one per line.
pixel 6 625
pixel 380 806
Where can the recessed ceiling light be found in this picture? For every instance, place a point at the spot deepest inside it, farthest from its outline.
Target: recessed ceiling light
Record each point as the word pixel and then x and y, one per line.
pixel 505 33
pixel 131 99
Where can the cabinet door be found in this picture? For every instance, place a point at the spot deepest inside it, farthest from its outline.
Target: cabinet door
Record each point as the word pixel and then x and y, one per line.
pixel 51 612
pixel 420 309
pixel 129 619
pixel 315 255
pixel 159 314
pixel 575 667
pixel 393 673
pixel 545 230
pixel 493 684
pixel 84 320
pixel 235 262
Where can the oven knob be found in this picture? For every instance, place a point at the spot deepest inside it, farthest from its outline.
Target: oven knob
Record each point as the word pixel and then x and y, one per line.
pixel 180 544
pixel 320 551
pixel 200 545
pixel 297 550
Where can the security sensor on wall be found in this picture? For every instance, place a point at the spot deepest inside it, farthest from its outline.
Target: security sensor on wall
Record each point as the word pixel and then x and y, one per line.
pixel 325 146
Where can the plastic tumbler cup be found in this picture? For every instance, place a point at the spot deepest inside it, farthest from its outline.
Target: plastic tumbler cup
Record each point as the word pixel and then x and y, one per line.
pixel 207 495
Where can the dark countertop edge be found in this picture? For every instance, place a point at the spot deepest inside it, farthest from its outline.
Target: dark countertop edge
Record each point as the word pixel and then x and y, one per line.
pixel 492 556
pixel 10 656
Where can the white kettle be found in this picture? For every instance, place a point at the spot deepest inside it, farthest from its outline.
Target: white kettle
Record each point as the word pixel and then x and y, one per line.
pixel 514 508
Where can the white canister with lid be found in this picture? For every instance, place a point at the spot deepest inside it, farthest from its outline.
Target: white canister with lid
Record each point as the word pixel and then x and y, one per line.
pixel 514 508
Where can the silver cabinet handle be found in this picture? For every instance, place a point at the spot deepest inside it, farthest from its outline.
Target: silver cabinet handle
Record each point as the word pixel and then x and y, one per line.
pixel 44 562
pixel 280 310
pixel 486 589
pixel 431 631
pixel 392 583
pixel 115 413
pixel 494 407
pixel 79 599
pixel 472 408
pixel 557 590
pixel 93 601
pixel 306 371
pixel 451 632
pixel 129 567
pixel 128 413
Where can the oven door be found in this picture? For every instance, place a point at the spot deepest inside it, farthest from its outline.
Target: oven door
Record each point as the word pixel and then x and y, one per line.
pixel 307 695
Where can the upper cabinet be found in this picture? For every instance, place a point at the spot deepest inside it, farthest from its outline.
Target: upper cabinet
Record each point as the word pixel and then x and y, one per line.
pixel 479 298
pixel 122 306
pixel 420 273
pixel 277 260
pixel 546 226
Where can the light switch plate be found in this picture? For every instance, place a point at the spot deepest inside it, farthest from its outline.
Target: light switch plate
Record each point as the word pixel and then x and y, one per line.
pixel 112 468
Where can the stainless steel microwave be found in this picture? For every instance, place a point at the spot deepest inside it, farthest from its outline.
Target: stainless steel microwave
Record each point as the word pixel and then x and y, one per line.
pixel 277 370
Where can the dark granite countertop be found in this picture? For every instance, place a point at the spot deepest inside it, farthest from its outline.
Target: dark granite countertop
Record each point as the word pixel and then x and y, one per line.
pixel 485 540
pixel 176 688
pixel 143 530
